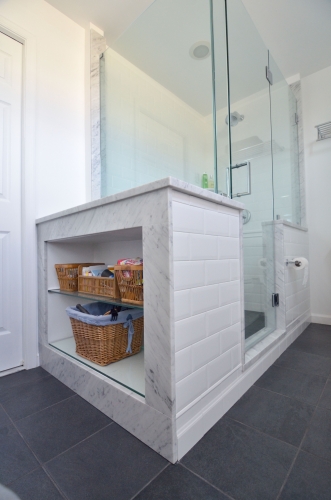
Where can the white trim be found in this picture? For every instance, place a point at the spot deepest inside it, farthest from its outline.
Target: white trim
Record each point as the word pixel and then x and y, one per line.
pixel 322 319
pixel 29 241
pixel 13 370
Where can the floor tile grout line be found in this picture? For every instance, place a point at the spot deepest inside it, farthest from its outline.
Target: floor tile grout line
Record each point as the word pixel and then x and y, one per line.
pixel 307 352
pixel 205 481
pixel 20 477
pixel 300 447
pixel 149 482
pixel 279 394
pixel 26 383
pixel 55 484
pixel 300 371
pixel 261 432
pixel 76 444
pixel 46 408
pixel 289 397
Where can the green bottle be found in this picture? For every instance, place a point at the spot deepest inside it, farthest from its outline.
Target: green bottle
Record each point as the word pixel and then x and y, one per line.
pixel 205 180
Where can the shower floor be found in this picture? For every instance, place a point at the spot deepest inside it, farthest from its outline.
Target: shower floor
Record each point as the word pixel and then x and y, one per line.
pixel 254 322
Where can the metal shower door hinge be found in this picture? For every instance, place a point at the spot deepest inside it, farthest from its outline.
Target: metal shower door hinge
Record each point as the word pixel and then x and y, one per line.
pixel 275 299
pixel 268 75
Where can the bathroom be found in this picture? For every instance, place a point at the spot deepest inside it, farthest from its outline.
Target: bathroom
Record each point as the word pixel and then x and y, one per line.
pixel 188 147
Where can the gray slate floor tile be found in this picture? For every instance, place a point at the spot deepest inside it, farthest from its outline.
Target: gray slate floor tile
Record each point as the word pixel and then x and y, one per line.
pixel 318 437
pixel 316 339
pixel 35 486
pixel 325 400
pixel 57 428
pixel 305 362
pixel 177 483
pixel 293 384
pixel 10 384
pixel 110 464
pixel 279 416
pixel 240 461
pixel 30 398
pixel 310 479
pixel 4 419
pixel 16 458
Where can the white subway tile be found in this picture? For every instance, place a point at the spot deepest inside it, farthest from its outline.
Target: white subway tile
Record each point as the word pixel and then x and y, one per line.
pixel 216 223
pixel 236 356
pixel 189 274
pixel 203 247
pixel 236 313
pixel 229 292
pixel 234 269
pixel 181 246
pixel 190 330
pixel 183 363
pixel 234 227
pixel 218 319
pixel 190 388
pixel 228 248
pixel 187 219
pixel 205 351
pixel 228 210
pixel 230 337
pixel 204 299
pixel 217 271
pixel 182 304
pixel 218 368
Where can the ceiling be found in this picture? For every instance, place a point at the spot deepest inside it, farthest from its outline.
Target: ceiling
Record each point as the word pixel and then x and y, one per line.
pixel 297 32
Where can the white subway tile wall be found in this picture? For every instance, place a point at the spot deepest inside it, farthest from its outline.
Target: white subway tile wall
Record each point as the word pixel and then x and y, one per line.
pixel 207 296
pixel 297 294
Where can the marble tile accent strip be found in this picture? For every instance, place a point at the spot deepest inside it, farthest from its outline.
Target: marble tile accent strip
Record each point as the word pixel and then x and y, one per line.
pixel 97 46
pixel 171 182
pixel 296 89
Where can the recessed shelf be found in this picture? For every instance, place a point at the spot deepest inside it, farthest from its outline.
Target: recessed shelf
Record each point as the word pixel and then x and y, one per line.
pixel 128 372
pixel 95 298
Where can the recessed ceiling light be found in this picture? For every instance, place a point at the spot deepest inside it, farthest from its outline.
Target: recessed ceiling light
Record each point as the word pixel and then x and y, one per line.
pixel 200 50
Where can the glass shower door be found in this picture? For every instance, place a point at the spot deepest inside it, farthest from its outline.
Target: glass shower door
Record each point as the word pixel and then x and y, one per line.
pixel 251 167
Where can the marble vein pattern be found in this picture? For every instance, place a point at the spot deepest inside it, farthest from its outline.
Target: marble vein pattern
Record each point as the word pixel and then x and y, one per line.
pixel 121 405
pixel 97 47
pixel 296 89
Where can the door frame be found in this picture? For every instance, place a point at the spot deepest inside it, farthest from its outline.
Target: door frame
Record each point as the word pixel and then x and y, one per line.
pixel 28 211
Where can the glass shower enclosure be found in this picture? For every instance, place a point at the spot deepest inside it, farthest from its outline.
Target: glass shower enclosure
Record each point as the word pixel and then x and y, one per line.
pixel 189 90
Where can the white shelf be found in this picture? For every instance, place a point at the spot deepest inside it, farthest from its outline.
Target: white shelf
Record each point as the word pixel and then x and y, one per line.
pixel 128 372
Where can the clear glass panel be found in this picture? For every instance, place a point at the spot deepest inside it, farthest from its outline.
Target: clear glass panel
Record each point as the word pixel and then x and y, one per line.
pixel 157 99
pixel 251 170
pixel 284 148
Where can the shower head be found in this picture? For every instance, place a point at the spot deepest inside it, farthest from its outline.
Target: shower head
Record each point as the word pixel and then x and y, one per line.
pixel 235 118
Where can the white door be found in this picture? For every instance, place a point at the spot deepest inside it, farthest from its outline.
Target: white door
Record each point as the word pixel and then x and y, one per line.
pixel 11 354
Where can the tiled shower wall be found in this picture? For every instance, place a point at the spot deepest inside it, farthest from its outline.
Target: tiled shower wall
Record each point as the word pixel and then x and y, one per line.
pixel 207 305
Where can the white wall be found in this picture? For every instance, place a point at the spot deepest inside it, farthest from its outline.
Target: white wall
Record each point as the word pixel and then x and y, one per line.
pixel 60 103
pixel 316 103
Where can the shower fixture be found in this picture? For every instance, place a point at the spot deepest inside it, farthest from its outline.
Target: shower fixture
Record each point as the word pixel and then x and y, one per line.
pixel 235 118
pixel 200 50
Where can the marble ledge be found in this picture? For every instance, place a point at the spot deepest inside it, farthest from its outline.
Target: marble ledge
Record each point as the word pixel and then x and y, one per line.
pixel 285 223
pixel 168 182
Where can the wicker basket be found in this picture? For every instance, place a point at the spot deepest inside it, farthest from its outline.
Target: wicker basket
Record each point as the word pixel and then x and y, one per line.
pixel 131 286
pixel 68 275
pixel 93 285
pixel 106 344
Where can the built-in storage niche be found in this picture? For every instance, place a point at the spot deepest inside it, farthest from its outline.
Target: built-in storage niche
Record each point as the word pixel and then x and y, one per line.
pixel 106 248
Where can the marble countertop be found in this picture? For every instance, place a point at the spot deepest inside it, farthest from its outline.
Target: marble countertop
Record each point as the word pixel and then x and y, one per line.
pixel 168 182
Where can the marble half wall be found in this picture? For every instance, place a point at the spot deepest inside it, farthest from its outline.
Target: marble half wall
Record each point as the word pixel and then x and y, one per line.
pixel 97 47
